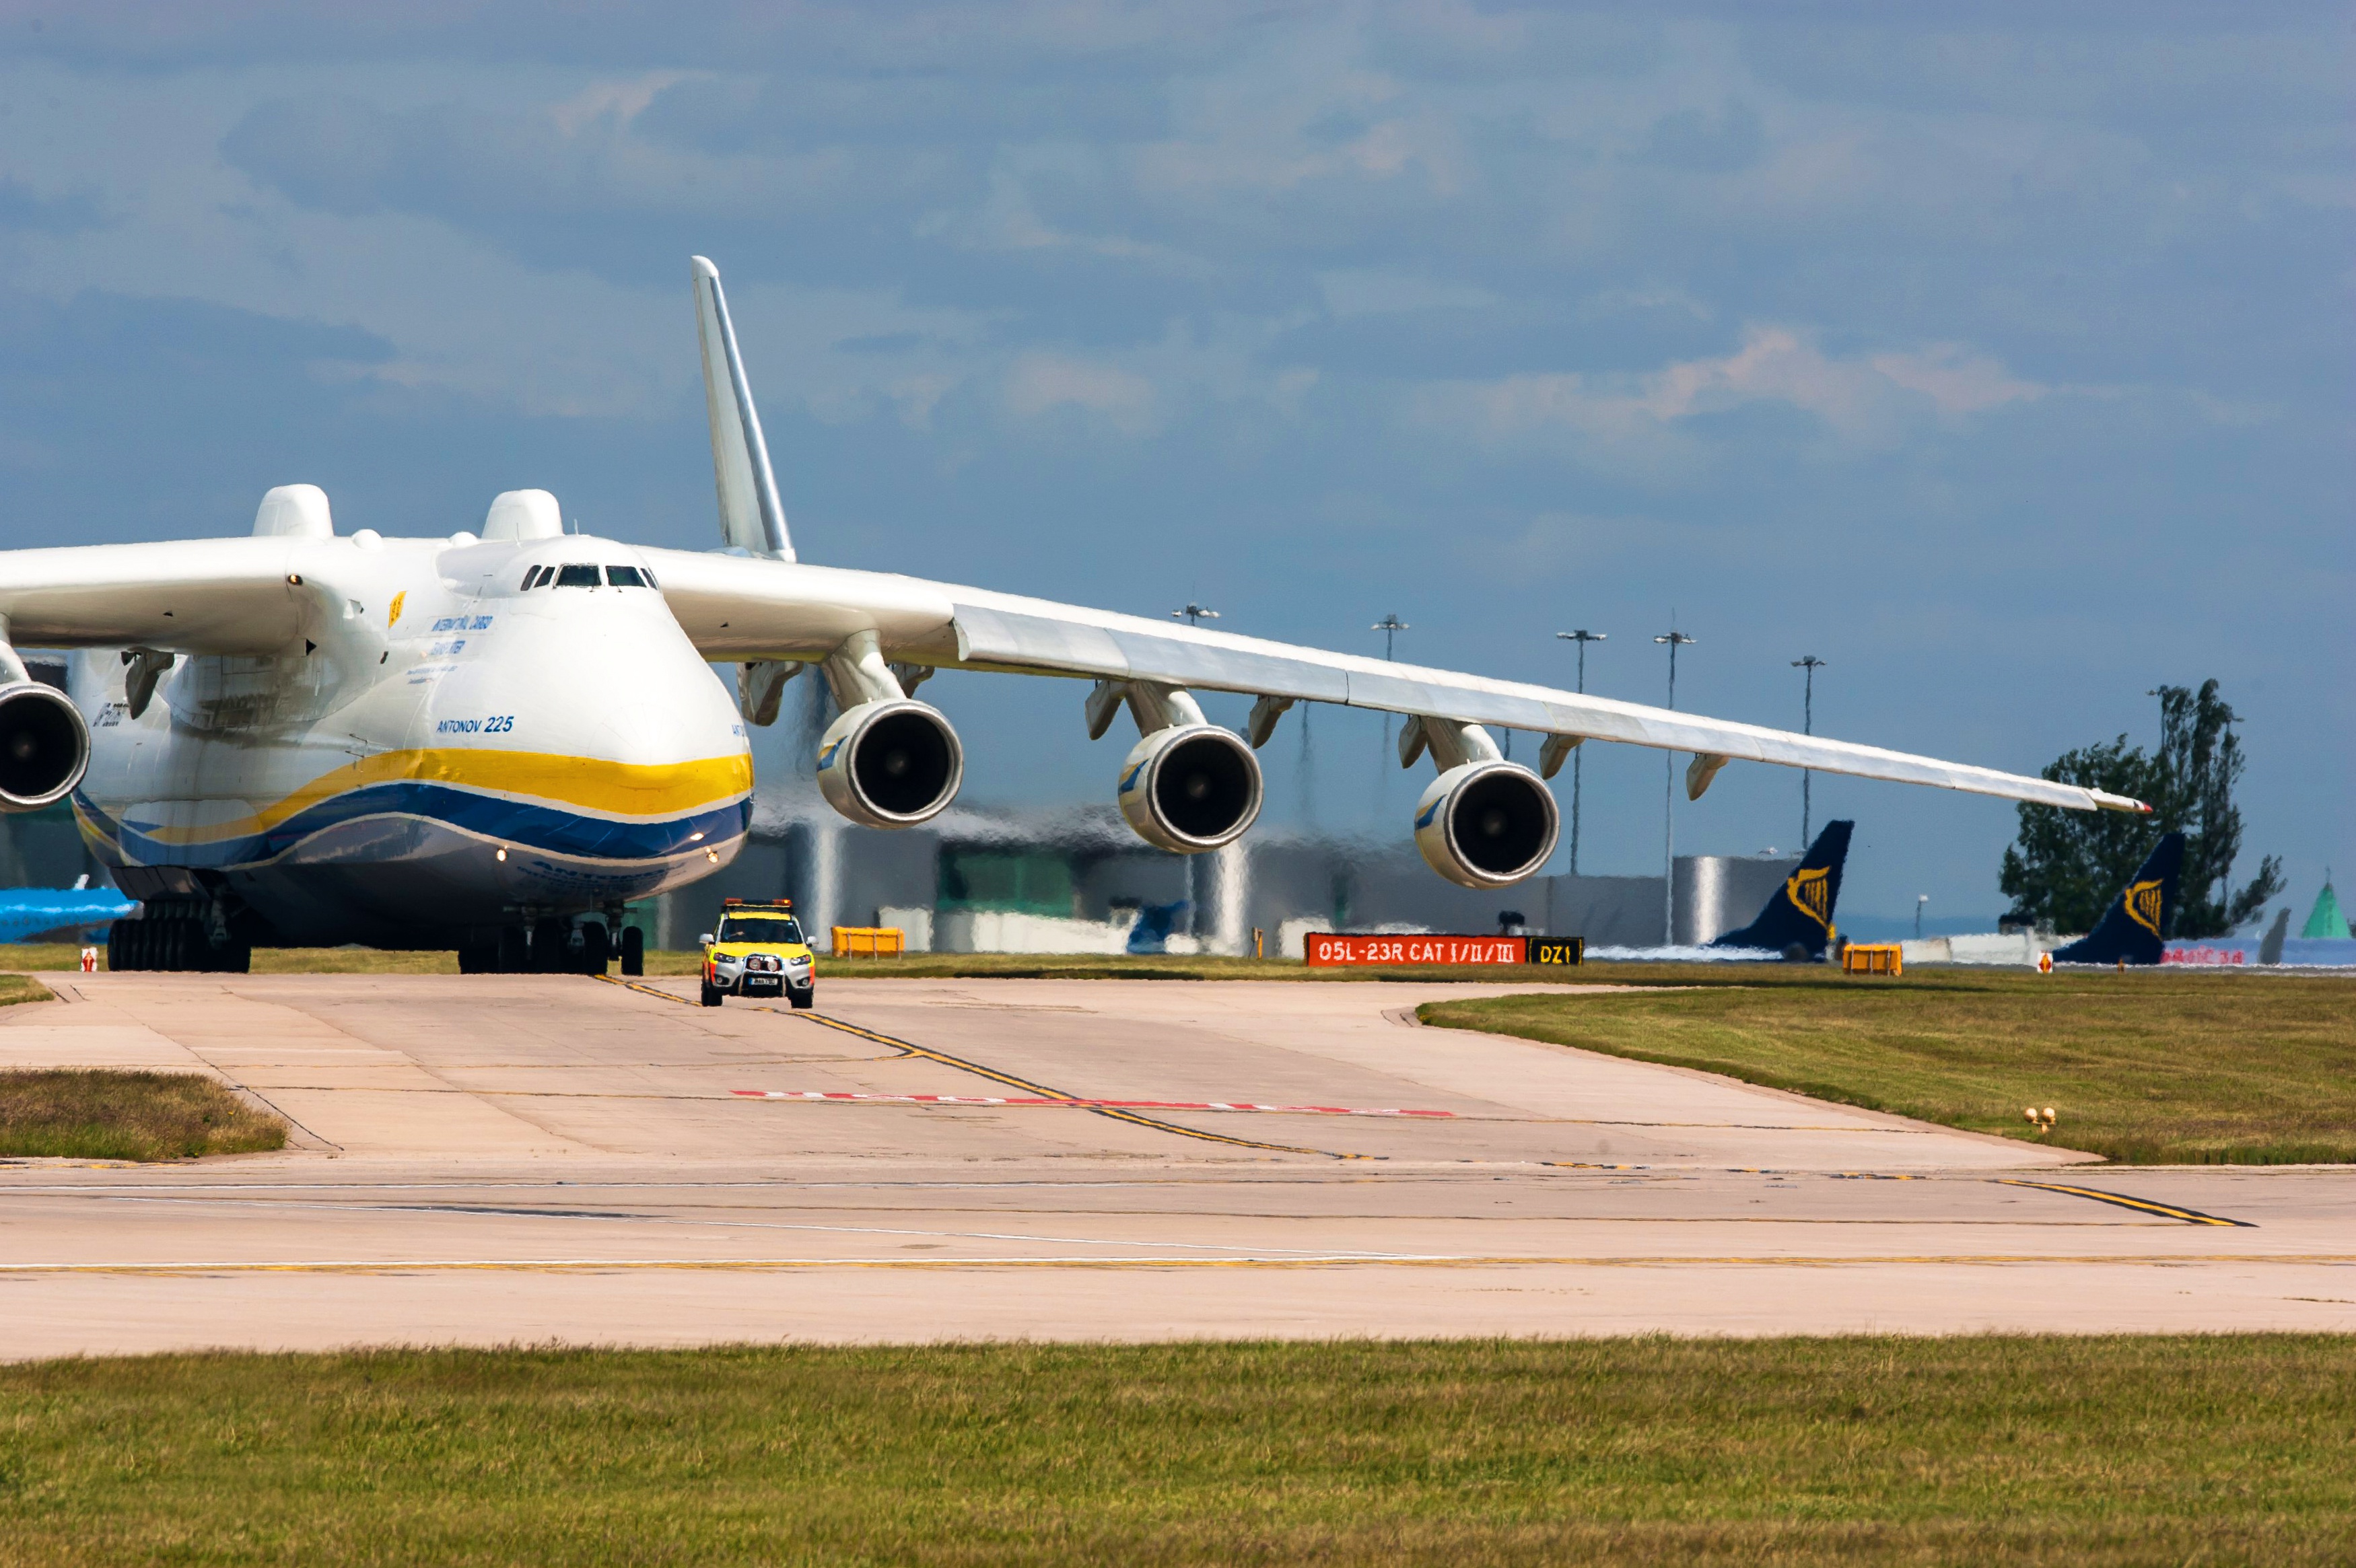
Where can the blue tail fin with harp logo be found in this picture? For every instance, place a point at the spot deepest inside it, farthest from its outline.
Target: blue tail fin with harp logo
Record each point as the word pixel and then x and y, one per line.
pixel 2131 929
pixel 1801 913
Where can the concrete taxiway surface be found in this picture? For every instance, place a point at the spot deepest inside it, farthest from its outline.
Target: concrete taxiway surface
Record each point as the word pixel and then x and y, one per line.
pixel 497 1159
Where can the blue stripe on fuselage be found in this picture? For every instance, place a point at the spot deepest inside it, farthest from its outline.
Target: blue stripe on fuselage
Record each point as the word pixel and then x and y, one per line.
pixel 520 823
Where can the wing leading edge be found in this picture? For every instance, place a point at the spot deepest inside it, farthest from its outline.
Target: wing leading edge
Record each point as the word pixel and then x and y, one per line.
pixel 741 609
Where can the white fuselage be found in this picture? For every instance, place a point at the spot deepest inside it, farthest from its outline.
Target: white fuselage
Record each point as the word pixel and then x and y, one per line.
pixel 435 752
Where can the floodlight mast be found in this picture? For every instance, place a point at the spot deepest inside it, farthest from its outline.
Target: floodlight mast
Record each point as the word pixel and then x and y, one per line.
pixel 1675 640
pixel 1583 637
pixel 1389 626
pixel 1807 727
pixel 1194 614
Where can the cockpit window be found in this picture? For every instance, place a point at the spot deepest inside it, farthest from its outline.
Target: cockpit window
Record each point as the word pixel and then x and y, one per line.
pixel 576 577
pixel 626 576
pixel 531 577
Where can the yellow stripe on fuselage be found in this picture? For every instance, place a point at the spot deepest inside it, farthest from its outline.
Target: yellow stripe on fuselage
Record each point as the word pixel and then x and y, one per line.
pixel 592 783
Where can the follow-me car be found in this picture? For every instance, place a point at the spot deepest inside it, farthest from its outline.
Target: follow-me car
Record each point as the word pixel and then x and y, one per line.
pixel 493 742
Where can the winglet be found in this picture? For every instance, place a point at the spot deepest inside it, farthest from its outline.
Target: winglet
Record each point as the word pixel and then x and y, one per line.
pixel 750 516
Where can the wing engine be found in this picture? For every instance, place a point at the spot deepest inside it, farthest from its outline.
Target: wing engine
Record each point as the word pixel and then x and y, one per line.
pixel 44 745
pixel 1187 786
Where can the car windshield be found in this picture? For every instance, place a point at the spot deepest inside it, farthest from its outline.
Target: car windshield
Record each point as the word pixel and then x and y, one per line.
pixel 766 928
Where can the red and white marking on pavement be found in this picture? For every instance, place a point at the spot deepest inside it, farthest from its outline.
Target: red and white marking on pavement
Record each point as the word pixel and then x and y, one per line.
pixel 1059 1102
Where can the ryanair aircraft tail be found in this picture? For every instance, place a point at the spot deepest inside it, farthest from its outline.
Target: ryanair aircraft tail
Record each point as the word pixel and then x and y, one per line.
pixel 1801 913
pixel 2131 929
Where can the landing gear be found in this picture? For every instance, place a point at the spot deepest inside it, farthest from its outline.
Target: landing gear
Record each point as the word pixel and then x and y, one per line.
pixel 174 944
pixel 548 948
pixel 553 947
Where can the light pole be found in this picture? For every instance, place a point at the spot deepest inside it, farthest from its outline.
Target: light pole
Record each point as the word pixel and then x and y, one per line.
pixel 1675 640
pixel 1808 727
pixel 1193 614
pixel 1920 899
pixel 1583 637
pixel 1390 626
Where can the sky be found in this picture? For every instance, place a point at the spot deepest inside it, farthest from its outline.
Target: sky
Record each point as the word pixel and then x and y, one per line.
pixel 1998 355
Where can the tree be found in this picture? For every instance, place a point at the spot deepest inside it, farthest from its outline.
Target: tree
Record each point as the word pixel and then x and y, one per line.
pixel 2067 866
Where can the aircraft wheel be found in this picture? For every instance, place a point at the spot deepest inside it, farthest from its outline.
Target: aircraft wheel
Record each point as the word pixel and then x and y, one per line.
pixel 237 958
pixel 548 948
pixel 118 946
pixel 634 951
pixel 172 938
pixel 478 958
pixel 513 958
pixel 596 949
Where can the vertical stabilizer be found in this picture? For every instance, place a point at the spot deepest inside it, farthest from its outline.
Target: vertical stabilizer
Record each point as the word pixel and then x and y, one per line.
pixel 1801 913
pixel 750 516
pixel 2130 932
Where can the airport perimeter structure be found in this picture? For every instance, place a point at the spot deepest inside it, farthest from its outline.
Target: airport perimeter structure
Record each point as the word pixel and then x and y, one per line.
pixel 500 1159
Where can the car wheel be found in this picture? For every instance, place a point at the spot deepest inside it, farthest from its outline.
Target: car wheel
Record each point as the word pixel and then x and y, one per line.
pixel 804 997
pixel 711 994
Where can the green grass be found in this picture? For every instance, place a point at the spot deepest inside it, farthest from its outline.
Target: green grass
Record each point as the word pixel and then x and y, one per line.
pixel 2081 1451
pixel 78 1113
pixel 2149 1067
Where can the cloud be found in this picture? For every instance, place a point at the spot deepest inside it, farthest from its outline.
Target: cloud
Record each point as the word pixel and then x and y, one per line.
pixel 1037 384
pixel 1861 399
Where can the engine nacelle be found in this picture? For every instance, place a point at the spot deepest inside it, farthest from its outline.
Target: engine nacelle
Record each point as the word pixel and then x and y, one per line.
pixel 1487 824
pixel 891 763
pixel 1190 788
pixel 44 746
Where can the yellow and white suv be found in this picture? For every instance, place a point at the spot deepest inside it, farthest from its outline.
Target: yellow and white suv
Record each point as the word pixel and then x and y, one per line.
pixel 759 950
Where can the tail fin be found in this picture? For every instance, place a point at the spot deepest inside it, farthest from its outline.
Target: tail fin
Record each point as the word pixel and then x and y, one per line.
pixel 750 516
pixel 1801 912
pixel 2130 930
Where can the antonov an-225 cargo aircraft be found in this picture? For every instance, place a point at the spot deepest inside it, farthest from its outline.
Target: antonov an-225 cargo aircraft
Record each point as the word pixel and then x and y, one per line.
pixel 492 742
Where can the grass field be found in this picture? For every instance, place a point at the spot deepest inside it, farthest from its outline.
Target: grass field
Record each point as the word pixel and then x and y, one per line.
pixel 2147 1066
pixel 103 1114
pixel 2081 1451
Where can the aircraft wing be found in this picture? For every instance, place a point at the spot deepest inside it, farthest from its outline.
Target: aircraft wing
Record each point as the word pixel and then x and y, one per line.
pixel 739 607
pixel 188 596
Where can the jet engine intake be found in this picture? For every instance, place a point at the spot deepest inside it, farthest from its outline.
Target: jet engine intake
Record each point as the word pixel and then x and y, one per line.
pixel 1190 788
pixel 1486 824
pixel 890 763
pixel 44 746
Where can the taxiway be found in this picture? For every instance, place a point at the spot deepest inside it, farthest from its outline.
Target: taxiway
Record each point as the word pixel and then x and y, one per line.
pixel 500 1159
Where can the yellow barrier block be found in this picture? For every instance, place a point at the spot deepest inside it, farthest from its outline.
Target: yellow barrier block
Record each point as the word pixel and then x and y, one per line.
pixel 1872 958
pixel 870 942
